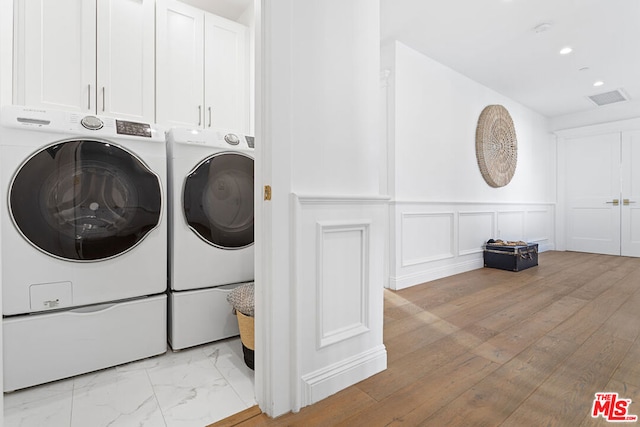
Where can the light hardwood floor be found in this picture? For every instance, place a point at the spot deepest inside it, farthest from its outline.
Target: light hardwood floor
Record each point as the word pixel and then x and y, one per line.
pixel 497 348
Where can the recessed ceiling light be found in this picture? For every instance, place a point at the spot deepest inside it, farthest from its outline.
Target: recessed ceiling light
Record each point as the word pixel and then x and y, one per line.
pixel 566 50
pixel 598 83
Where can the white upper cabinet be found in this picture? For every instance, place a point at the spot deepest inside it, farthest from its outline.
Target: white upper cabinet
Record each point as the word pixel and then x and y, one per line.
pixel 226 82
pixel 93 57
pixel 180 64
pixel 126 59
pixel 201 69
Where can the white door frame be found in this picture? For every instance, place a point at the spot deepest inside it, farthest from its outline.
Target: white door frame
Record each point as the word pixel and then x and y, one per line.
pixel 275 381
pixel 630 194
pixel 296 365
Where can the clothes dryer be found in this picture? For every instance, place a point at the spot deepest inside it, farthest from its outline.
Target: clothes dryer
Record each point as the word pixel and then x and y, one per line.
pixel 83 243
pixel 211 231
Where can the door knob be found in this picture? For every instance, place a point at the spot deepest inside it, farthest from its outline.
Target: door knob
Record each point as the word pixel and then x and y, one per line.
pixel 614 202
pixel 627 202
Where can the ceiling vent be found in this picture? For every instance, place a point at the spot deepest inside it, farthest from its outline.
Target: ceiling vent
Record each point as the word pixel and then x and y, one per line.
pixel 608 97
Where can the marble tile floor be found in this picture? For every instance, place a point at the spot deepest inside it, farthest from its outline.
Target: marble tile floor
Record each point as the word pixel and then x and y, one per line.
pixel 190 388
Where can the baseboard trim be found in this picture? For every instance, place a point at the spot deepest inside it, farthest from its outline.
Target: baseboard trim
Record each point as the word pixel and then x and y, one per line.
pixel 406 281
pixel 429 274
pixel 333 378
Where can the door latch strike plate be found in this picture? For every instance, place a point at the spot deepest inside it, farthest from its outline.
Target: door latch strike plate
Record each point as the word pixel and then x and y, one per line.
pixel 267 192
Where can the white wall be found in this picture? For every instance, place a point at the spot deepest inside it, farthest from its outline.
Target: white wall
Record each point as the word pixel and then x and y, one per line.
pixel 319 300
pixel 436 114
pixel 335 112
pixel 443 210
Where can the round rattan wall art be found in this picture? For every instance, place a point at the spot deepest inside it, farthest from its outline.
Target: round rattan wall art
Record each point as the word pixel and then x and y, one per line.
pixel 496 146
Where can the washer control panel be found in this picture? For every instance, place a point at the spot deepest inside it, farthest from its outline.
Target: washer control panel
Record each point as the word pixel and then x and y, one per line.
pixel 232 139
pixel 91 123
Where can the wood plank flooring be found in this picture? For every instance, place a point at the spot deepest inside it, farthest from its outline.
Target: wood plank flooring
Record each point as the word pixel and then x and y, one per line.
pixel 497 348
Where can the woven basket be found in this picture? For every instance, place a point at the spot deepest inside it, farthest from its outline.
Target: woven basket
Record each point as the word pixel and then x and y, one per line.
pixel 247 333
pixel 496 146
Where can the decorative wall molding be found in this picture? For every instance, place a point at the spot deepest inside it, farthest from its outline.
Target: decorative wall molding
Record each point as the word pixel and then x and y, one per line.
pixel 510 225
pixel 400 202
pixel 338 241
pixel 434 243
pixel 322 383
pixel 472 224
pixel 545 224
pixel 340 250
pixel 308 199
pixel 430 273
pixel 473 227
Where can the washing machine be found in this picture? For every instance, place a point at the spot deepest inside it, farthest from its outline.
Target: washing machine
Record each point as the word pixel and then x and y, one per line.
pixel 211 231
pixel 83 243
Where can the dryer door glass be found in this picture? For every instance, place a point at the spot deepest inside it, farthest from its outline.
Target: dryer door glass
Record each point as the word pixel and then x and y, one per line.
pixel 218 200
pixel 85 200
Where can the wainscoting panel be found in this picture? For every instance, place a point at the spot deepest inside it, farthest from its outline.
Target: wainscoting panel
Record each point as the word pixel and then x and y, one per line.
pixel 426 237
pixel 340 253
pixel 343 267
pixel 510 225
pixel 474 227
pixel 431 240
pixel 538 224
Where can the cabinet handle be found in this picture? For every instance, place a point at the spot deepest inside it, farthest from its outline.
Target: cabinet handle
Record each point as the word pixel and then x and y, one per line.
pixel 209 116
pixel 614 202
pixel 102 98
pixel 89 97
pixel 627 202
pixel 199 115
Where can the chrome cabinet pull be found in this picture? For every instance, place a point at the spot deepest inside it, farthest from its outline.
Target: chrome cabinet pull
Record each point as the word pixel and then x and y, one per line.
pixel 102 98
pixel 199 115
pixel 209 116
pixel 89 96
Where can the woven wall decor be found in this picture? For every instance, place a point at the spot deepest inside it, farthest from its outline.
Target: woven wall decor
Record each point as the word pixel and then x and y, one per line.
pixel 496 146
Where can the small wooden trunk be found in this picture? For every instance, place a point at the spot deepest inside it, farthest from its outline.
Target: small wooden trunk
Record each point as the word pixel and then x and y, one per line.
pixel 512 258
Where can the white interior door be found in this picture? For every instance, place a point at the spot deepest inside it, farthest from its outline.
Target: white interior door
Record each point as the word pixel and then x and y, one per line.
pixel 593 194
pixel 630 203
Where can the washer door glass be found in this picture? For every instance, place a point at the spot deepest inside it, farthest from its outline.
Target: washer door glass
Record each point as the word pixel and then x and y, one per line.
pixel 85 200
pixel 218 200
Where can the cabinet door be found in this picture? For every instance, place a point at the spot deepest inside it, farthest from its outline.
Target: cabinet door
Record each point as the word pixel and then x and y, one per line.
pixel 180 69
pixel 125 59
pixel 55 54
pixel 226 80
